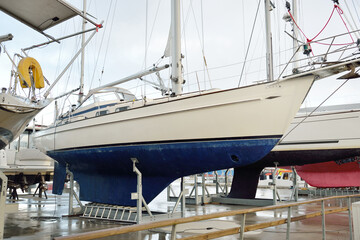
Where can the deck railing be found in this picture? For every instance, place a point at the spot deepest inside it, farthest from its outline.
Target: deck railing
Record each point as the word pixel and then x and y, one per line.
pixel 237 230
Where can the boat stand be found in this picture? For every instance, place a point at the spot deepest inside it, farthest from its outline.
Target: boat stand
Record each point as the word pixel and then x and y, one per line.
pixel 3 185
pixel 13 193
pixel 194 198
pixel 42 186
pixel 295 190
pixel 139 214
pixel 72 195
pixel 223 189
pixel 222 192
pixel 273 185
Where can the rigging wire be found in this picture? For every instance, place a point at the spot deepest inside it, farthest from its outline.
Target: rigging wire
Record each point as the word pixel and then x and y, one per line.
pixel 185 45
pixel 186 20
pixel 202 37
pixel 101 44
pixel 151 31
pixel 247 51
pixel 108 42
pixel 149 37
pixel 352 18
pixel 357 14
pixel 203 47
pixel 198 33
pixel 143 87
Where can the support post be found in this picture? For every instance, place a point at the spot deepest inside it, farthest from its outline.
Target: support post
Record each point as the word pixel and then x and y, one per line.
pixel 350 219
pixel 173 232
pixel 3 185
pixel 242 226
pixel 138 195
pixel 356 219
pixel 183 197
pixel 196 190
pixel 217 182
pixel 295 191
pixel 288 224
pixel 226 182
pixel 274 183
pixel 139 191
pixel 203 188
pixel 168 192
pixel 323 220
pixel 72 194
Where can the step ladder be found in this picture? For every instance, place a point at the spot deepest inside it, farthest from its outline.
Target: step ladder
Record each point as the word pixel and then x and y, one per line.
pixel 110 212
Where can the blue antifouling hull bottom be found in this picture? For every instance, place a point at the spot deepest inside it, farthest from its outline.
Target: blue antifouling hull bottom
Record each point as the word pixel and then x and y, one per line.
pixel 105 174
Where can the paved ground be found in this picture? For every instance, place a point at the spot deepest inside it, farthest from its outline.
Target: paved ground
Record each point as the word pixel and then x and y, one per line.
pixel 38 219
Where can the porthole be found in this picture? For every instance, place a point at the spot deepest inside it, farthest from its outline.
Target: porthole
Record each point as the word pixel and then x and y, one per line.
pixel 235 158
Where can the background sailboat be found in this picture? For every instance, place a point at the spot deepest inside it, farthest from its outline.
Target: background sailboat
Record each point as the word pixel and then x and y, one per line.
pixel 17 108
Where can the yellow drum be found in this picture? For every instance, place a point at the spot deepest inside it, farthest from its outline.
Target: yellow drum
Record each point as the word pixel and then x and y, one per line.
pixel 24 65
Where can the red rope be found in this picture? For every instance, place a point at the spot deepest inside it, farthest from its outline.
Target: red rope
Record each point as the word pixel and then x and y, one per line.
pixel 325 24
pixel 298 26
pixel 340 12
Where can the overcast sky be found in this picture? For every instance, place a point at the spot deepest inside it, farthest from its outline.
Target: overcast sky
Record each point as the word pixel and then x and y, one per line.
pixel 222 28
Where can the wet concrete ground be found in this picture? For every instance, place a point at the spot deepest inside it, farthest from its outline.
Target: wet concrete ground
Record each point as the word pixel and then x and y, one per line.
pixel 38 219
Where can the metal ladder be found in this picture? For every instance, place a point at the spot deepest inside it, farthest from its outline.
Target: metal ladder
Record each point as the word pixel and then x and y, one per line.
pixel 110 212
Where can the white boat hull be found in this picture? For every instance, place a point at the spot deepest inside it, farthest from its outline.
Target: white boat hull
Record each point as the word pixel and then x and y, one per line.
pixel 256 111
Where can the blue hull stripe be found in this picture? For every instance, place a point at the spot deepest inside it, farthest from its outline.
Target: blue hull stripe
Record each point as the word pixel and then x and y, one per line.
pixel 105 174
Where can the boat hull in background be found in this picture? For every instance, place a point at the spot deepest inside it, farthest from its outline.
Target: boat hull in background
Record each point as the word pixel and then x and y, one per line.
pixel 335 174
pixel 326 136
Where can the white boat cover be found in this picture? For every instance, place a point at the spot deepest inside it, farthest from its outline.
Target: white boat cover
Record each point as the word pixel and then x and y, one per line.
pixel 39 14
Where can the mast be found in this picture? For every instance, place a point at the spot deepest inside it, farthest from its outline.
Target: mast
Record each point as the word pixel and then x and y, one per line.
pixel 269 54
pixel 81 91
pixel 295 42
pixel 176 69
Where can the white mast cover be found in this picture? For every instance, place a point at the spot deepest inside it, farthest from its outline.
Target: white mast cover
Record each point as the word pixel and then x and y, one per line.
pixel 38 14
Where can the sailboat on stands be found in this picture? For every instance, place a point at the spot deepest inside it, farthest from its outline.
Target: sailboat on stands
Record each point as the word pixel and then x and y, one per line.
pixel 16 111
pixel 174 136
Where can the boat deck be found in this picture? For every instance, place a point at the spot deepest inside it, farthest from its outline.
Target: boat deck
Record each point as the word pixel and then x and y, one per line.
pixel 34 218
